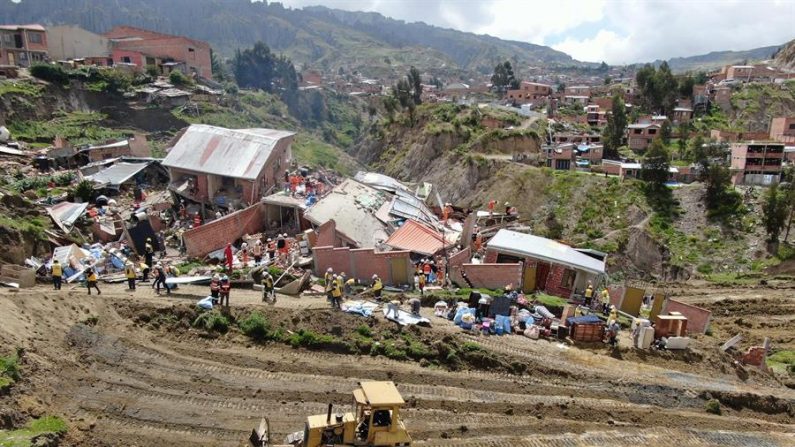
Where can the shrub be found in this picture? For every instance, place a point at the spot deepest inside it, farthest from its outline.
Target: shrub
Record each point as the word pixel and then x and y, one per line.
pixel 48 424
pixel 255 326
pixel 9 367
pixel 470 346
pixel 152 71
pixel 712 406
pixel 212 321
pixel 176 77
pixel 364 331
pixel 51 73
pixel 84 190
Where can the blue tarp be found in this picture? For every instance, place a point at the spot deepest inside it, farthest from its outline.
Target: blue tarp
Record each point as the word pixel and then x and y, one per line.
pixel 585 319
pixel 461 312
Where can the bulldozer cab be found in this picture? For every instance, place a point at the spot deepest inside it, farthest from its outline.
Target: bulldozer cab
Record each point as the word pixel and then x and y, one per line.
pixel 377 413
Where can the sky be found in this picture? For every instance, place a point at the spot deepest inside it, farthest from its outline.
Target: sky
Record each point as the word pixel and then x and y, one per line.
pixel 614 31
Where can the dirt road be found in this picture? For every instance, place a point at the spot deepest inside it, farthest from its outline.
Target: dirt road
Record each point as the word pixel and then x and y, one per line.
pixel 122 383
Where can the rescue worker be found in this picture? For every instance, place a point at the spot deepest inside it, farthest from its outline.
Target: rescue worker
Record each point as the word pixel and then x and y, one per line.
pixel 336 293
pixel 267 288
pixel 588 294
pixel 257 252
pixel 225 287
pixel 605 301
pixel 327 279
pixel 228 256
pixel 129 272
pixel 149 253
pixel 377 287
pixel 197 220
pixel 160 279
pixel 426 270
pixel 144 271
pixel 421 283
pixel 244 253
pixel 271 249
pixel 57 274
pixel 215 287
pixel 349 286
pixel 91 280
pixel 341 280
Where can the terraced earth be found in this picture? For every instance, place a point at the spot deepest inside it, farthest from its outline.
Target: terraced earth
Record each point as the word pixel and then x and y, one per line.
pixel 121 382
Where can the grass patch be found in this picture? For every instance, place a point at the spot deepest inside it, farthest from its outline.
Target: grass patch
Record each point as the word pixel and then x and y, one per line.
pixel 256 326
pixel 187 266
pixel 21 88
pixel 23 436
pixel 782 362
pixel 212 321
pixel 550 301
pixel 32 226
pixel 315 153
pixel 77 127
pixel 313 340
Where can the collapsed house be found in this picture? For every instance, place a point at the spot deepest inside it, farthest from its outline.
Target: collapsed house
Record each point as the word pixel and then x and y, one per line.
pixel 532 263
pixel 229 168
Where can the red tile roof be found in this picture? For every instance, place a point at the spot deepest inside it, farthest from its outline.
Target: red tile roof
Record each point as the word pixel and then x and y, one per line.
pixel 416 237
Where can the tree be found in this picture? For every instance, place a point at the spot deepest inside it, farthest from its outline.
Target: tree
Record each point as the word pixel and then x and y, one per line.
pixel 789 199
pixel 717 180
pixel 416 85
pixel 258 67
pixel 390 105
pixel 774 214
pixel 697 152
pixel 655 165
pixel 665 132
pixel 220 72
pixel 503 77
pixel 658 88
pixel 614 131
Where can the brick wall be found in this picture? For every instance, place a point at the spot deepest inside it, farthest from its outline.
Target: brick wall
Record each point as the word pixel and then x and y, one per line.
pixel 216 234
pixel 493 276
pixel 327 234
pixel 360 263
pixel 491 256
pixel 455 262
pixel 697 318
pixel 554 284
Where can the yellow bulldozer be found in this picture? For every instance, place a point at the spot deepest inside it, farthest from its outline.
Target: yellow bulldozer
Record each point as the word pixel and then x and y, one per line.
pixel 375 421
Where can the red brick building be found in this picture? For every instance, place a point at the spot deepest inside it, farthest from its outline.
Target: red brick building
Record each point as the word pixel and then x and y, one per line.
pixel 783 129
pixel 756 163
pixel 142 48
pixel 640 136
pixel 529 92
pixel 22 45
pixel 228 167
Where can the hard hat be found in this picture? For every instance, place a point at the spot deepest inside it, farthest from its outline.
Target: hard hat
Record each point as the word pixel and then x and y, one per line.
pixel 149 239
pixel 334 276
pixel 224 278
pixel 259 242
pixel 506 203
pixel 342 274
pixel 329 270
pixel 216 277
pixel 270 240
pixel 375 276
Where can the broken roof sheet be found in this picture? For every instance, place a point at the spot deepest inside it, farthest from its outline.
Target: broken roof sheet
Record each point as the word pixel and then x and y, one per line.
pixel 5 150
pixel 239 153
pixel 521 244
pixel 352 206
pixel 283 199
pixel 65 214
pixel 379 181
pixel 118 173
pixel 416 237
pixel 407 206
pixel 121 143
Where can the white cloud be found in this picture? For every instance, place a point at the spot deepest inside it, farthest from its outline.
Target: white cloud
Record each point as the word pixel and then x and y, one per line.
pixel 616 31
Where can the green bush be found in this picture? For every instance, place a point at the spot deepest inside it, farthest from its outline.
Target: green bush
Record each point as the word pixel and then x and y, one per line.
pixel 712 406
pixel 152 71
pixel 9 367
pixel 176 77
pixel 470 346
pixel 364 331
pixel 51 73
pixel 212 321
pixel 255 326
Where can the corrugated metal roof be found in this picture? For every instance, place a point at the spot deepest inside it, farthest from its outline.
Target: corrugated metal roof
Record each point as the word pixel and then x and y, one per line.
pixel 521 244
pixel 239 153
pixel 379 181
pixel 416 237
pixel 352 206
pixel 407 206
pixel 118 173
pixel 65 214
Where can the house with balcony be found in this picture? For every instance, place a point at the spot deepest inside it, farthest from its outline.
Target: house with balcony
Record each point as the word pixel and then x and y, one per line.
pixel 529 92
pixel 756 163
pixel 640 135
pixel 228 168
pixel 23 45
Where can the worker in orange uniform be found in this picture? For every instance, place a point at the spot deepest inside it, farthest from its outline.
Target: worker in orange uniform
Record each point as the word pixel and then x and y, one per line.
pixel 197 220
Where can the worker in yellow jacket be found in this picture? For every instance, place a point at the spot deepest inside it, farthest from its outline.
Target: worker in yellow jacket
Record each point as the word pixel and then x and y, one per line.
pixel 129 272
pixel 378 286
pixel 57 274
pixel 336 293
pixel 91 280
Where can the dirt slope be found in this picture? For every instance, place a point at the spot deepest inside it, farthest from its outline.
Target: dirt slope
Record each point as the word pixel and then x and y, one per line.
pixel 125 383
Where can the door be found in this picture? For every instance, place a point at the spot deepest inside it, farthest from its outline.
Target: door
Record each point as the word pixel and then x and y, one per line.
pixel 529 282
pixel 399 271
pixel 542 271
pixel 12 58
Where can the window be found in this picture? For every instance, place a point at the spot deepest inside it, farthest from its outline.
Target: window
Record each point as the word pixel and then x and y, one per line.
pixel 35 38
pixel 637 131
pixel 567 281
pixel 126 59
pixel 792 126
pixel 652 131
pixel 8 39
